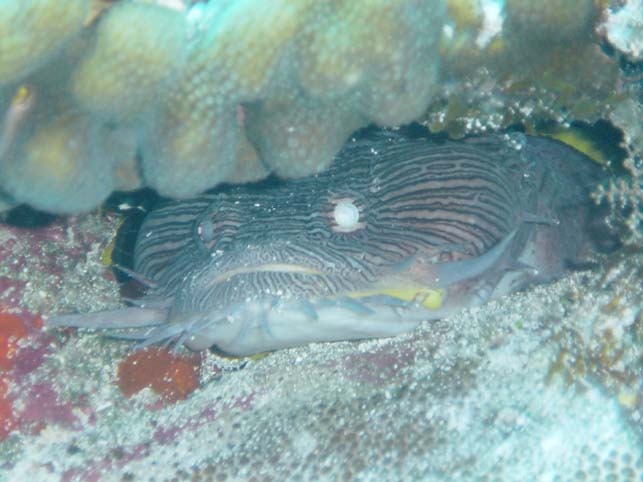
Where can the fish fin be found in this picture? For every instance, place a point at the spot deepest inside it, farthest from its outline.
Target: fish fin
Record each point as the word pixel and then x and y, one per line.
pixel 149 302
pixel 531 218
pixel 145 281
pixel 434 251
pixel 132 317
pixel 456 271
pixel 517 265
pixel 351 304
pixel 309 309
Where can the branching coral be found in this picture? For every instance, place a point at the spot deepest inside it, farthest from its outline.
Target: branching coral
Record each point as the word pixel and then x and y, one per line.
pixel 625 194
pixel 625 197
pixel 610 347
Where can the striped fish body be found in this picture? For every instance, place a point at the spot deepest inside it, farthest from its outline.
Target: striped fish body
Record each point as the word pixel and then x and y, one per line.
pixel 397 231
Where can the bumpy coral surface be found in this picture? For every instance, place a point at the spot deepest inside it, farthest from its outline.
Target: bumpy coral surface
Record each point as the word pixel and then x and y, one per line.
pixel 181 96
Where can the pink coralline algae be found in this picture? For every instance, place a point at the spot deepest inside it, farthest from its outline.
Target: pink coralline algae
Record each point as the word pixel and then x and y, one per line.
pixel 23 347
pixel 170 375
pixel 33 264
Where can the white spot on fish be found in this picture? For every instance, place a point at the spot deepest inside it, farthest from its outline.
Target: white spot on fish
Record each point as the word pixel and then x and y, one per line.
pixel 346 215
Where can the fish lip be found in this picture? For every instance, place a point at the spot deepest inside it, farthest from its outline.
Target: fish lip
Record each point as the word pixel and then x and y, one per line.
pixel 266 268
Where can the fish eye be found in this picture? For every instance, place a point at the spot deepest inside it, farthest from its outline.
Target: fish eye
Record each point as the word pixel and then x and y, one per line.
pixel 346 216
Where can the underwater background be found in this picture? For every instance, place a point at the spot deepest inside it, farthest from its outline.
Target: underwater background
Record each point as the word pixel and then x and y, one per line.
pixel 107 105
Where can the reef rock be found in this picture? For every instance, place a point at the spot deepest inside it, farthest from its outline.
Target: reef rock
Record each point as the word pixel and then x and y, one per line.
pixel 181 96
pixel 543 385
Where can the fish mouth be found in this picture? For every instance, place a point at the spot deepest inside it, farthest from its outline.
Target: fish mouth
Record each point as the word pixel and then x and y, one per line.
pixel 267 268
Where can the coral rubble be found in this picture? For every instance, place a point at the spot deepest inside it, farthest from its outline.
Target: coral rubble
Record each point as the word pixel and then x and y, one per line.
pixel 181 96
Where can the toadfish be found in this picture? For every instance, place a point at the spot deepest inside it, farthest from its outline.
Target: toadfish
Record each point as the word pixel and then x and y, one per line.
pixel 399 230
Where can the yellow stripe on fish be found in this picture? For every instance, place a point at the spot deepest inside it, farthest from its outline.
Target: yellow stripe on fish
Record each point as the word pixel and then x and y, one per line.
pixel 431 299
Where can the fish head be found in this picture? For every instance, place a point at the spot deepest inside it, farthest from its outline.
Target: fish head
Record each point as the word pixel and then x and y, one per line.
pixel 396 232
pixel 365 249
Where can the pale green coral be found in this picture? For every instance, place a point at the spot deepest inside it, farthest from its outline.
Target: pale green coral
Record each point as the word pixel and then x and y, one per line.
pixel 233 90
pixel 34 30
pixel 72 162
pixel 121 82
